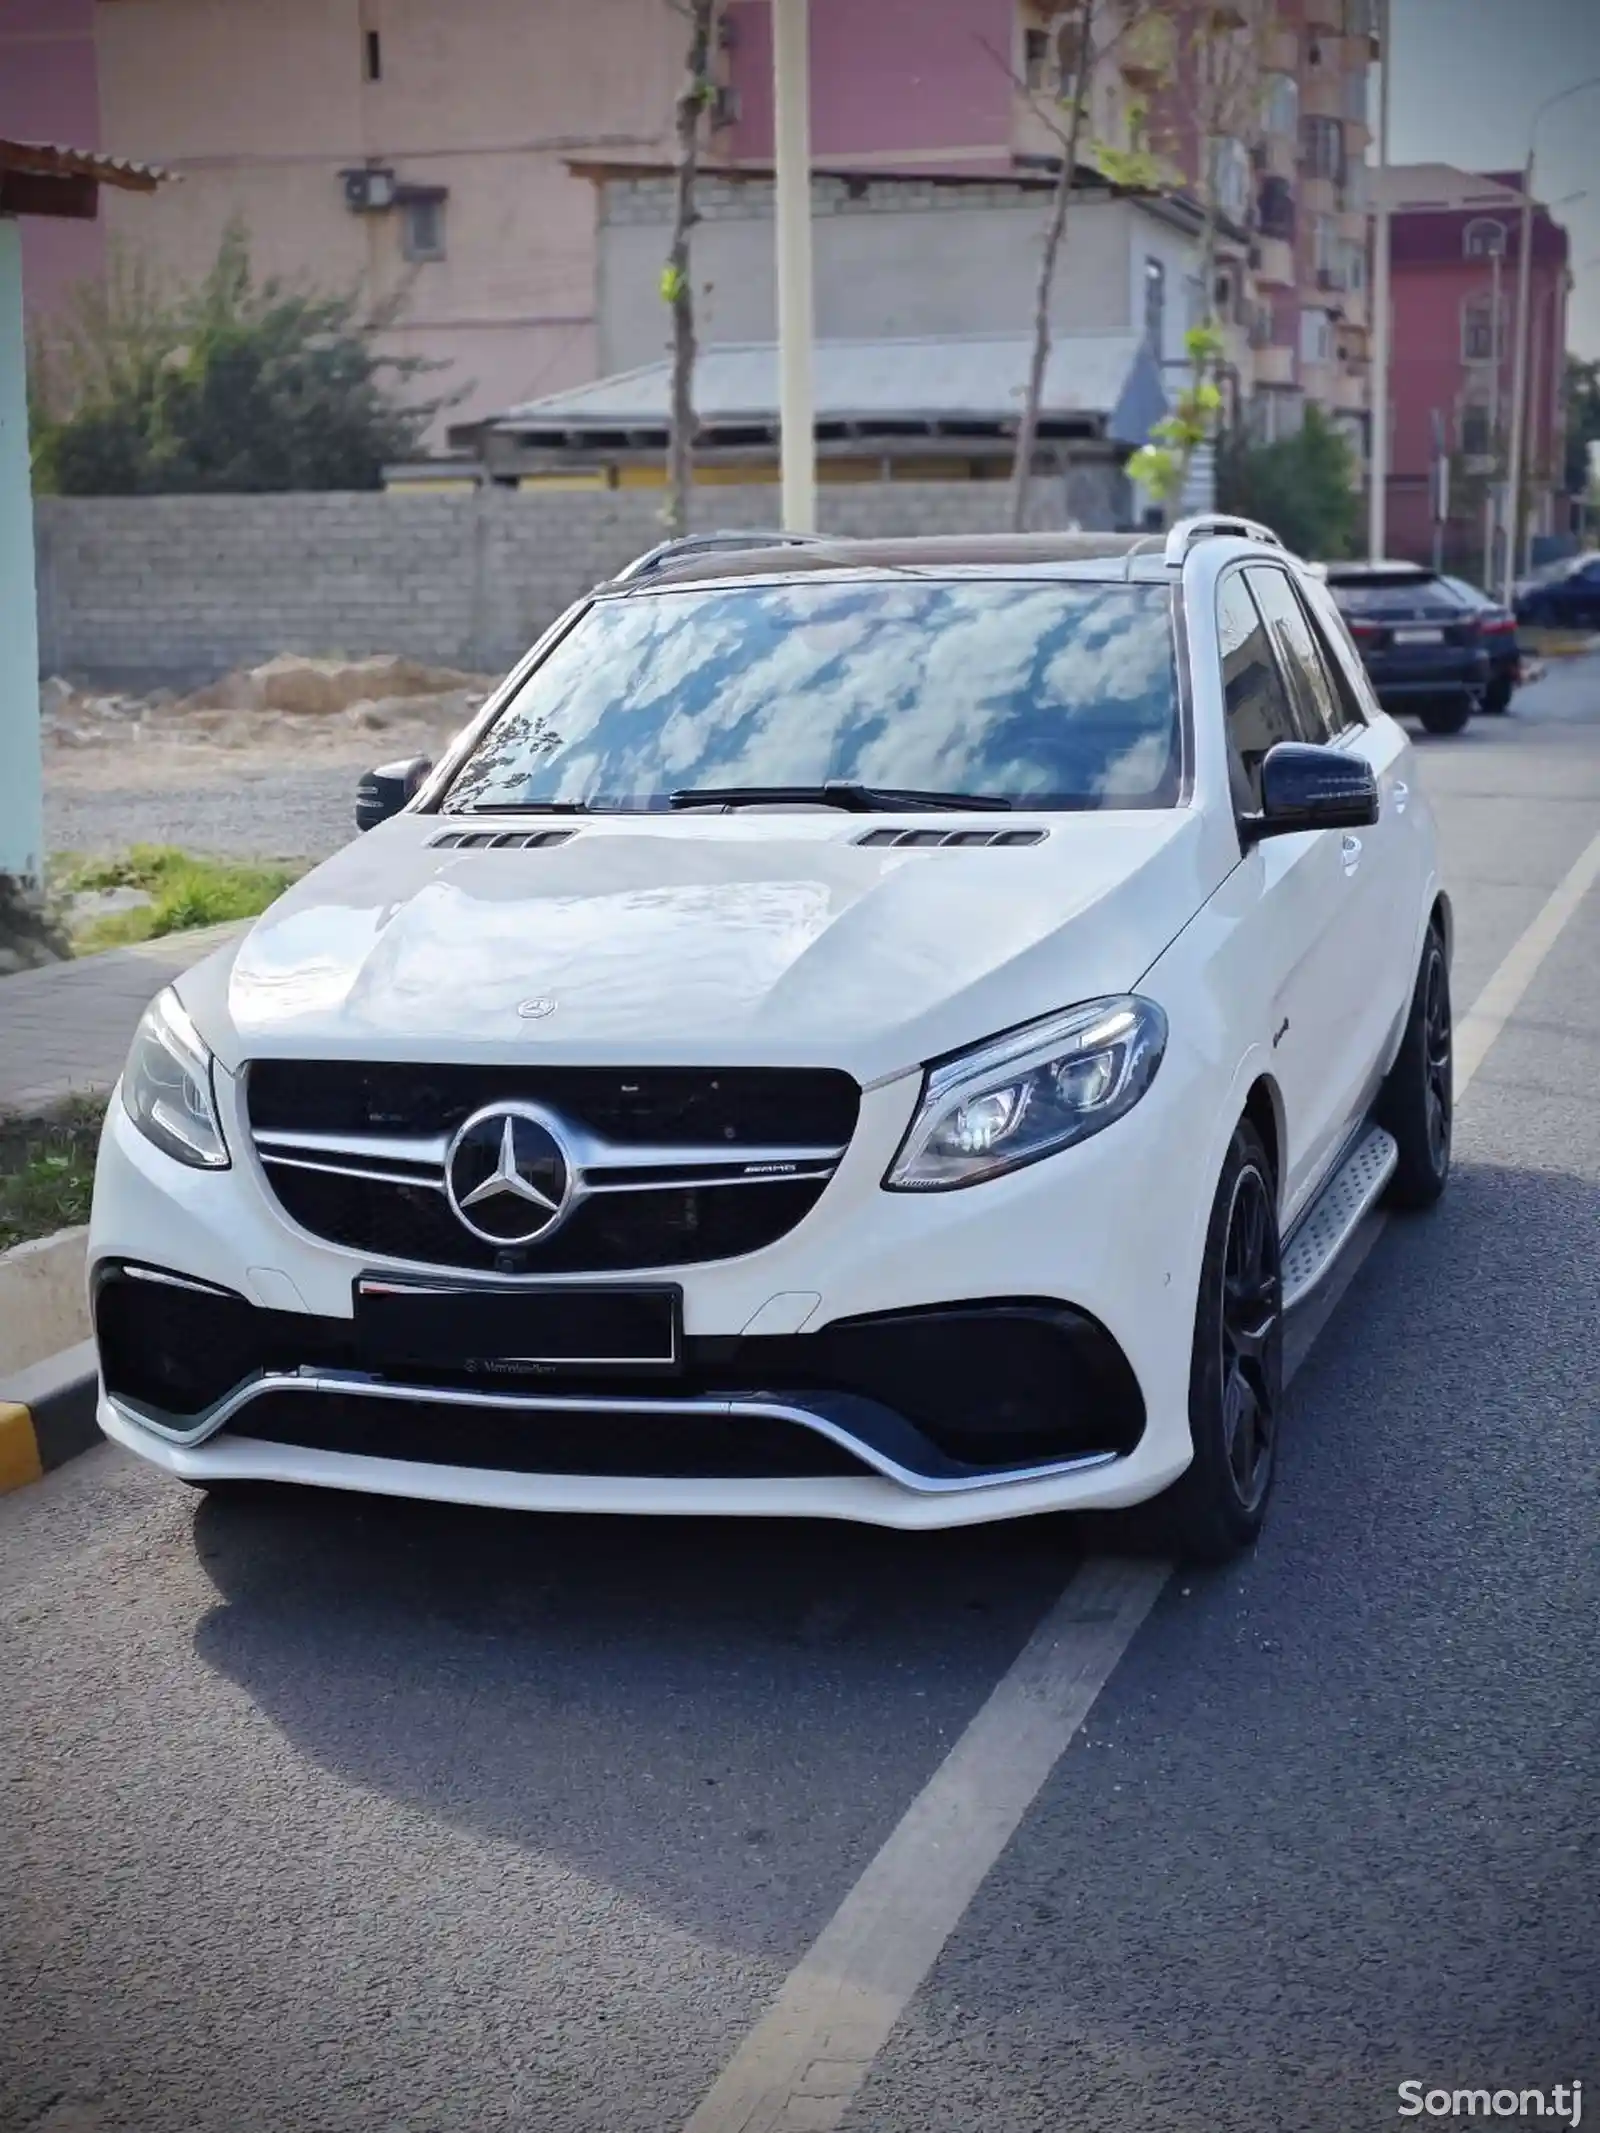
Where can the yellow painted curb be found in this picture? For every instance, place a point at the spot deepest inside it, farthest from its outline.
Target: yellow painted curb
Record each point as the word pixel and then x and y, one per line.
pixel 19 1447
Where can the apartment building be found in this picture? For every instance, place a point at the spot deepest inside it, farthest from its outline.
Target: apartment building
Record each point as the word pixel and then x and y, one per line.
pixel 426 149
pixel 1455 239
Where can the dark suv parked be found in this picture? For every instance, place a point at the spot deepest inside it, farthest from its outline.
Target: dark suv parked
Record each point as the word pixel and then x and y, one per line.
pixel 1423 647
pixel 1566 597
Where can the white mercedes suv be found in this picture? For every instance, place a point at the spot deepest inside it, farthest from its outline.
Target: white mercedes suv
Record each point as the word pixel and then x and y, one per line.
pixel 867 1030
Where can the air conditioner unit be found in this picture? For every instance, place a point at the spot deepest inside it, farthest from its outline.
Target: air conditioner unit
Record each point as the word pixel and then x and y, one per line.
pixel 369 190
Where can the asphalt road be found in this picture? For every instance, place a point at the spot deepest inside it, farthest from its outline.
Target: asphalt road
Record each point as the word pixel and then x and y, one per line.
pixel 325 1816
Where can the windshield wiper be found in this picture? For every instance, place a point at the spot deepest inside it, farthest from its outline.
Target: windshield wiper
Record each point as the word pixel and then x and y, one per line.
pixel 836 792
pixel 534 807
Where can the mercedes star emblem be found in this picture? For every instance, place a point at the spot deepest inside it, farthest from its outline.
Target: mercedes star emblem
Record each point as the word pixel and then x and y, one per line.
pixel 508 1176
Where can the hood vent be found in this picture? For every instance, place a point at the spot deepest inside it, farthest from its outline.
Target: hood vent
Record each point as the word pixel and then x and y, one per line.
pixel 499 840
pixel 928 839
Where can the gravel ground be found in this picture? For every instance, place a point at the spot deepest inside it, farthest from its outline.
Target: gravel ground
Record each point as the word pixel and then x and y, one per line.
pixel 254 814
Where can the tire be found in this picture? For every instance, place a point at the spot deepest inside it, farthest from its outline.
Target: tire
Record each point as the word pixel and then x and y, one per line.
pixel 1448 715
pixel 1216 1508
pixel 1497 699
pixel 1416 1102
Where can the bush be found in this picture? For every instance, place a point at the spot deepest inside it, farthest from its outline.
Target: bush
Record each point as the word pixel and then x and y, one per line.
pixel 1301 486
pixel 233 386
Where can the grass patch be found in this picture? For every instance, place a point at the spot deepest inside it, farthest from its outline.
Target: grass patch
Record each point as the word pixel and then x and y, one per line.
pixel 47 1169
pixel 185 890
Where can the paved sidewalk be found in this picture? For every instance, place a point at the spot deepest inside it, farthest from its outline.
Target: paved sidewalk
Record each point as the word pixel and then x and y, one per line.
pixel 67 1028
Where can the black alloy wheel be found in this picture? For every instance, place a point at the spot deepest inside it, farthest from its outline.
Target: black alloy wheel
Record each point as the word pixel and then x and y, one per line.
pixel 1216 1506
pixel 1417 1101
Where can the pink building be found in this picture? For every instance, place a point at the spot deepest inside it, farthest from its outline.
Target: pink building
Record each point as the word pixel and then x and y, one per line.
pixel 48 92
pixel 1454 245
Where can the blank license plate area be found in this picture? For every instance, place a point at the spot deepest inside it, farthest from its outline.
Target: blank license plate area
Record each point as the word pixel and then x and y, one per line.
pixel 571 1329
pixel 1418 636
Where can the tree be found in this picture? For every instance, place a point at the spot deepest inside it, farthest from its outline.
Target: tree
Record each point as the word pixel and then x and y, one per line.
pixel 677 288
pixel 232 385
pixel 1216 66
pixel 1301 486
pixel 1076 81
pixel 1583 422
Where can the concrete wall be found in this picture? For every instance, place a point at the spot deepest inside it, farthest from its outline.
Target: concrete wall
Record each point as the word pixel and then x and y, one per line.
pixel 179 588
pixel 893 259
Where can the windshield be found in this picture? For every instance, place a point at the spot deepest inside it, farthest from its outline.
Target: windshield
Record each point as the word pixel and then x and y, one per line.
pixel 1053 695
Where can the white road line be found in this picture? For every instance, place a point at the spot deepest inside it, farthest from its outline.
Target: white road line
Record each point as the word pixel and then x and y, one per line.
pixel 800 2066
pixel 1498 1001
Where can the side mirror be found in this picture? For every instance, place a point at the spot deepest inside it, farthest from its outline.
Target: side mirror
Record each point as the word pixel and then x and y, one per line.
pixel 1310 788
pixel 383 792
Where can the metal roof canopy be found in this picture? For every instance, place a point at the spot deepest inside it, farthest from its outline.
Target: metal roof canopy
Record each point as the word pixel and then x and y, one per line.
pixel 42 178
pixel 882 392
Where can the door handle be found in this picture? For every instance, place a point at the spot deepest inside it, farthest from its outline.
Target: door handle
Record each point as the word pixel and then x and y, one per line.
pixel 1350 852
pixel 1400 793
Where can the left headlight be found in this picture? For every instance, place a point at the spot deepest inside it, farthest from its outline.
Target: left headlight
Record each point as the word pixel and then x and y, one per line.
pixel 1027 1094
pixel 167 1087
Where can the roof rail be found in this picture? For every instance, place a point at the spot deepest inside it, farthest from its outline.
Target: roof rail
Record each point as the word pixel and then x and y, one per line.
pixel 1211 526
pixel 688 544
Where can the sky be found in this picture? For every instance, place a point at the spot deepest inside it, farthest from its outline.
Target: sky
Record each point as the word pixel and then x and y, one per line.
pixel 1468 77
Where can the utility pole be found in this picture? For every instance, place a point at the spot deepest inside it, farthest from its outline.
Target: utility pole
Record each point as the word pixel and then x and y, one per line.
pixel 1378 419
pixel 791 98
pixel 1491 498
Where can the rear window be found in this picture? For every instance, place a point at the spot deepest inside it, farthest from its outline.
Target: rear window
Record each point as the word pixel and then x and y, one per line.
pixel 1395 596
pixel 1059 695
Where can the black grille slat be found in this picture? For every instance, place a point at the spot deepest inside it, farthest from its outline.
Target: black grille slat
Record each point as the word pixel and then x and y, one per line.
pixel 928 840
pixel 612 1232
pixel 643 1107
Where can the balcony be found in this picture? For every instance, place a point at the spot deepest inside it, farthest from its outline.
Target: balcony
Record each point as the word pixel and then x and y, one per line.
pixel 1274 366
pixel 1353 224
pixel 1350 393
pixel 1353 308
pixel 1318 196
pixel 1325 16
pixel 1276 267
pixel 1280 156
pixel 1320 382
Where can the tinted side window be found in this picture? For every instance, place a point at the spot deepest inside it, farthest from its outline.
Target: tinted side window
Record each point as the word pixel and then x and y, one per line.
pixel 1339 651
pixel 1259 715
pixel 1316 703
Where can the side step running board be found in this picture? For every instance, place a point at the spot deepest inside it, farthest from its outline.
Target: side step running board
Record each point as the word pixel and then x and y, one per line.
pixel 1331 1220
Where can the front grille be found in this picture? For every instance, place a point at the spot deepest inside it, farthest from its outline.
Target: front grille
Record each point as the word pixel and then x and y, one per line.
pixel 678 1165
pixel 616 1232
pixel 646 1106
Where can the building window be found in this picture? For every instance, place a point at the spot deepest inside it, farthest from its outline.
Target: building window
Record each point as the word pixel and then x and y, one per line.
pixel 372 56
pixel 1275 209
pixel 1322 148
pixel 1477 440
pixel 1484 238
pixel 422 226
pixel 1155 307
pixel 1230 178
pixel 1316 337
pixel 1353 264
pixel 1480 342
pixel 1324 248
pixel 1036 69
pixel 1280 107
pixel 1360 18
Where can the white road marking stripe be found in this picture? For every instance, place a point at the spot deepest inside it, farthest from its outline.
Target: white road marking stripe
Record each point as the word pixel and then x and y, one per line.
pixel 1499 999
pixel 801 2066
pixel 803 2062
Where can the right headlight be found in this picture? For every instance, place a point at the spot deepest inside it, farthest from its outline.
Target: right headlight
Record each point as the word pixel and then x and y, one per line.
pixel 1027 1094
pixel 167 1087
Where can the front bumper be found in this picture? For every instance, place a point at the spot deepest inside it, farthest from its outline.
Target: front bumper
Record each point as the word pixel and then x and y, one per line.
pixel 1105 1237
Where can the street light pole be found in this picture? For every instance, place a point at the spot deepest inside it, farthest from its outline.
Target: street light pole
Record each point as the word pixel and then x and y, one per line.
pixel 1519 352
pixel 792 158
pixel 1378 389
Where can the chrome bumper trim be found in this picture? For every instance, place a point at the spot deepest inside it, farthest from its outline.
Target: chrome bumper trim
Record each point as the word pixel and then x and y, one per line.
pixel 759 1406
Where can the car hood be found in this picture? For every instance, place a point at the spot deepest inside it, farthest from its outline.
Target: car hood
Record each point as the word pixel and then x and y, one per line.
pixel 748 939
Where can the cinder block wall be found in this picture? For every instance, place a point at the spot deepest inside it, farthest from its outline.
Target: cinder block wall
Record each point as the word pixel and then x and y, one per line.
pixel 180 588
